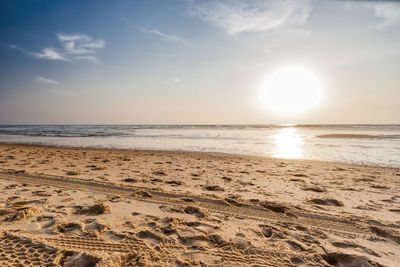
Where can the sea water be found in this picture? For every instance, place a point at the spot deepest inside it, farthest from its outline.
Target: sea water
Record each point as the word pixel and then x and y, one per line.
pixel 362 144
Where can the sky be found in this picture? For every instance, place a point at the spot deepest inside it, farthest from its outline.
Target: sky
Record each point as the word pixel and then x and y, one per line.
pixel 195 61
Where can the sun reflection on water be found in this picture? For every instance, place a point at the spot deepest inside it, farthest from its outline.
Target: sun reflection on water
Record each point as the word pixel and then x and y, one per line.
pixel 288 144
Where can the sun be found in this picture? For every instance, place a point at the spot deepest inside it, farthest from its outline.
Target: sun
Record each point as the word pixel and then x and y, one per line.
pixel 290 91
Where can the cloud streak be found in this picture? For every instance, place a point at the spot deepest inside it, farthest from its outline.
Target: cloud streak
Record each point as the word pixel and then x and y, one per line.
pixel 239 16
pixel 72 47
pixel 50 53
pixel 40 79
pixel 388 12
pixel 165 36
pixel 251 67
pixel 80 44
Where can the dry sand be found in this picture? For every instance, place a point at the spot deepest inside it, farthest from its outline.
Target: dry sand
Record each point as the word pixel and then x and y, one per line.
pixel 93 207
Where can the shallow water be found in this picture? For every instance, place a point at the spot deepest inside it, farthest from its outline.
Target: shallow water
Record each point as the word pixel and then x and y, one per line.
pixel 365 144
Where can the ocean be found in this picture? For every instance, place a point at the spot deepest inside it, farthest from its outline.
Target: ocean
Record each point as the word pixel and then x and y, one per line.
pixel 361 144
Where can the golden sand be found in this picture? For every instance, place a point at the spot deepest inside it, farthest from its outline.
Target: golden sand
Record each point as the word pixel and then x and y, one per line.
pixel 96 207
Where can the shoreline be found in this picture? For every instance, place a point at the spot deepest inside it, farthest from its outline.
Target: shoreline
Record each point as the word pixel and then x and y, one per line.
pixel 227 154
pixel 190 208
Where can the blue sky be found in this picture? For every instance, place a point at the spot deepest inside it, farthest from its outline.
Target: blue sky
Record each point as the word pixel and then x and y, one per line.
pixel 195 62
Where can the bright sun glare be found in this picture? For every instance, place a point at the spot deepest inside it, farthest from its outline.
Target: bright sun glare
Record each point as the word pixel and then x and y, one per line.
pixel 290 91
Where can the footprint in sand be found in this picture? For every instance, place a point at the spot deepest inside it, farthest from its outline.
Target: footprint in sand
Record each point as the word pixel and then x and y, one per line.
pixel 45 221
pixel 69 227
pixel 326 202
pixel 148 235
pixel 314 189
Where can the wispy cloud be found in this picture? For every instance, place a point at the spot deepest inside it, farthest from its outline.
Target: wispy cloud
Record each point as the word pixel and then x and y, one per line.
pixel 388 12
pixel 174 81
pixel 237 16
pixel 20 49
pixel 251 67
pixel 80 44
pixel 40 79
pixel 165 36
pixel 91 58
pixel 72 47
pixel 50 53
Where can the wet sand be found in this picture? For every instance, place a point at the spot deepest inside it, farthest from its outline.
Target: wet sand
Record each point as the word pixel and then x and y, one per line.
pixel 96 207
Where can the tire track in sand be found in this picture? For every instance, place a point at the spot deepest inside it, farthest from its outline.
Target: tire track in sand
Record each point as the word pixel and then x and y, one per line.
pixel 57 247
pixel 333 224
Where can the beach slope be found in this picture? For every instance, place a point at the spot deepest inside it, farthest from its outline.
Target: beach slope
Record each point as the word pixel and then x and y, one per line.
pixel 97 207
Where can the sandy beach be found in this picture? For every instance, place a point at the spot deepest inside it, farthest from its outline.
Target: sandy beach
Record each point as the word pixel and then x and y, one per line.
pixel 216 133
pixel 96 207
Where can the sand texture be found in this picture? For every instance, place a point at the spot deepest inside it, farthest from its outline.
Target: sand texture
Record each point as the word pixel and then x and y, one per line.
pixel 94 207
